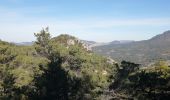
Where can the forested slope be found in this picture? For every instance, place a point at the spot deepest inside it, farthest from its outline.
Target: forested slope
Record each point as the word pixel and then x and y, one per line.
pixel 63 68
pixel 53 68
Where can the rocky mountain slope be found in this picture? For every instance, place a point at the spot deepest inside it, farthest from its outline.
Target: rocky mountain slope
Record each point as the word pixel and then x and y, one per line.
pixel 142 52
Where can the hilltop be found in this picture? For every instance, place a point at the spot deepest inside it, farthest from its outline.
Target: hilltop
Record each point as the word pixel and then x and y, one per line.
pixel 61 67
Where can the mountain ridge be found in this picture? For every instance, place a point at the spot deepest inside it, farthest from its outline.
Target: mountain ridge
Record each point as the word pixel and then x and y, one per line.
pixel 144 51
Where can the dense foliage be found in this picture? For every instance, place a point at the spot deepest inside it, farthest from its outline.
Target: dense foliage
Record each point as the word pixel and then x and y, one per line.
pixel 147 83
pixel 63 68
pixel 53 68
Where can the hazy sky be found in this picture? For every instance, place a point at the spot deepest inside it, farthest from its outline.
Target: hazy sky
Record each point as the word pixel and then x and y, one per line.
pixel 98 20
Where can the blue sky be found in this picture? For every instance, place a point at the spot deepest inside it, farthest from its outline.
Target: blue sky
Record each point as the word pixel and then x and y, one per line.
pixel 97 20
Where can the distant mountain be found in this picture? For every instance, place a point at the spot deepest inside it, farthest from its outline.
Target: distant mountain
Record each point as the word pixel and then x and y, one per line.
pixel 89 43
pixel 96 44
pixel 121 42
pixel 162 37
pixel 145 51
pixel 25 43
pixel 31 43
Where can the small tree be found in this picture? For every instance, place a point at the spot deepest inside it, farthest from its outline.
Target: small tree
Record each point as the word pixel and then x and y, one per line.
pixel 125 69
pixel 42 44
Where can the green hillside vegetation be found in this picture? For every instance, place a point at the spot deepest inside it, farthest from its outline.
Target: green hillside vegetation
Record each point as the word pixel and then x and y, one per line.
pixel 61 68
pixel 147 83
pixel 52 69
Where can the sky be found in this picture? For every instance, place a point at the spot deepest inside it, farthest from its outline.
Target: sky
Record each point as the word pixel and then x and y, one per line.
pixel 96 20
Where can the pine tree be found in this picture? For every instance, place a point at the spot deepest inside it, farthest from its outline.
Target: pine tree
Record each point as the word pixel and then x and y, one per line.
pixel 43 42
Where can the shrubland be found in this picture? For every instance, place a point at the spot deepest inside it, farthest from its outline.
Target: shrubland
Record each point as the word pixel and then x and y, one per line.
pixel 63 68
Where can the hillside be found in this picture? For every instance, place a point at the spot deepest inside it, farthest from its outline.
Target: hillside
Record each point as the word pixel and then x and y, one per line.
pixel 142 52
pixel 53 68
pixel 64 68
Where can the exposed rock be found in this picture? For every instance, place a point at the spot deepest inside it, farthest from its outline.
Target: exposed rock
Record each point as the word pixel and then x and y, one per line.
pixel 104 72
pixel 110 60
pixel 71 42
